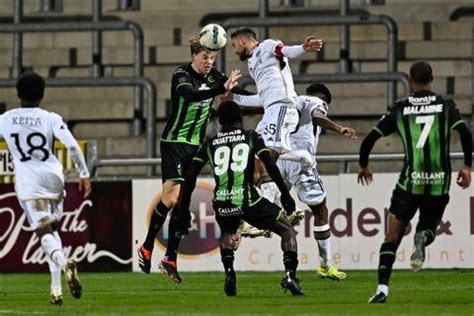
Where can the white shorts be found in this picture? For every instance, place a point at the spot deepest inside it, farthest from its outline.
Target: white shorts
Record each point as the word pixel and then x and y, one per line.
pixel 40 211
pixel 278 122
pixel 306 181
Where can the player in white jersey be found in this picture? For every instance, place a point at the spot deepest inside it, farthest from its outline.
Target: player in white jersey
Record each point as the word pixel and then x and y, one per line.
pixel 307 183
pixel 29 132
pixel 268 66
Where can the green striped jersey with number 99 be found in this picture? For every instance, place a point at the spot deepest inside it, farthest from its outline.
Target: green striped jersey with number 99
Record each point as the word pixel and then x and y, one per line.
pixel 231 156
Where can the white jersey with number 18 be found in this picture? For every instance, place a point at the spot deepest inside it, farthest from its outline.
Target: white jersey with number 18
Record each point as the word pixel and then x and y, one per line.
pixel 29 133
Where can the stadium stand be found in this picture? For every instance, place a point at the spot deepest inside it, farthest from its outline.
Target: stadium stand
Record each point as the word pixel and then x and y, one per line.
pixel 106 114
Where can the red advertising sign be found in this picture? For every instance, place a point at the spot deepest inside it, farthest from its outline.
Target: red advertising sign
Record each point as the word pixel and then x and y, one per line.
pixel 96 232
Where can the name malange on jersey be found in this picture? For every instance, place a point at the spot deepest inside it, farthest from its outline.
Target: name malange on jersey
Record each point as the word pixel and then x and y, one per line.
pixel 423 109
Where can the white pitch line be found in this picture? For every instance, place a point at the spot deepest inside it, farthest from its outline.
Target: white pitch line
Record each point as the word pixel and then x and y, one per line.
pixel 11 311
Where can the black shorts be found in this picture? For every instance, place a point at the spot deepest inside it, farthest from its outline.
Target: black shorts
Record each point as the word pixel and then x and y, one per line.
pixel 176 157
pixel 404 205
pixel 262 215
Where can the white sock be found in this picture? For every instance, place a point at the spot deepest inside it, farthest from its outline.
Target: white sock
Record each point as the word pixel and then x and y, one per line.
pixel 62 258
pixel 53 249
pixel 324 245
pixel 382 288
pixel 56 236
pixel 55 270
pixel 325 252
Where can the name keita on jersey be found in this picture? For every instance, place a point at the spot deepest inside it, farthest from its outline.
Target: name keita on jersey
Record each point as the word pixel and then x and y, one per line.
pixel 26 121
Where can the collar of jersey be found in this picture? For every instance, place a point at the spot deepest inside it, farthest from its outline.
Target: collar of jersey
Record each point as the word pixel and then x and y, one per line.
pixel 423 92
pixel 194 73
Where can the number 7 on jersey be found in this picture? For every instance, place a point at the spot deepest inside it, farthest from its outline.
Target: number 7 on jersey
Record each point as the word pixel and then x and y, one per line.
pixel 428 121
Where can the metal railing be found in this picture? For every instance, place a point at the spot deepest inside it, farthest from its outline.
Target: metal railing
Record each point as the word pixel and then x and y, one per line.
pixel 342 160
pixel 385 20
pixel 18 28
pixel 347 77
pixel 98 163
pixel 146 83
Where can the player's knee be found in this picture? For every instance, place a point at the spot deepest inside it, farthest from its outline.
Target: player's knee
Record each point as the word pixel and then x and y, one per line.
pixel 315 200
pixel 292 232
pixel 289 231
pixel 171 202
pixel 283 227
pixel 170 199
pixel 46 227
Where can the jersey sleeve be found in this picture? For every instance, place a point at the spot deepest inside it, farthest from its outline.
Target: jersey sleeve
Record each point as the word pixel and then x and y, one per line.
pixel 281 50
pixel 388 123
pixel 313 103
pixel 221 77
pixel 271 45
pixel 181 77
pixel 182 82
pixel 455 117
pixel 61 132
pixel 248 100
pixel 258 144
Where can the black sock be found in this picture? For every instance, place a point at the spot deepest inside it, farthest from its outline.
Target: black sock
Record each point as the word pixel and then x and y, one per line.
pixel 157 219
pixel 387 258
pixel 227 258
pixel 174 239
pixel 290 260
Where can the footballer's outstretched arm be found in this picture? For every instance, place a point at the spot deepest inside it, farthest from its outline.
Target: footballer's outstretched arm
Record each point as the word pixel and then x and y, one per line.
pixel 365 175
pixel 366 147
pixel 61 132
pixel 248 100
pixel 310 44
pixel 250 104
pixel 190 94
pixel 325 122
pixel 464 175
pixel 386 125
pixel 187 91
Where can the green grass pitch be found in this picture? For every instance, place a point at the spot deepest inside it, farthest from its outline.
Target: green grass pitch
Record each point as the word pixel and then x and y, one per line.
pixel 429 292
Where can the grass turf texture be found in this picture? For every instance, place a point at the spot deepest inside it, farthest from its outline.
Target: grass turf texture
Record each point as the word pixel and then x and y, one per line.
pixel 429 292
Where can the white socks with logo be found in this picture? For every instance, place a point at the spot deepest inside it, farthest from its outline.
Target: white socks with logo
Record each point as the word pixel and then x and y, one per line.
pixel 52 247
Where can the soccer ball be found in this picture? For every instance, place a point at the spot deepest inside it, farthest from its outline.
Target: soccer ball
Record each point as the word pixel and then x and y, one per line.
pixel 213 36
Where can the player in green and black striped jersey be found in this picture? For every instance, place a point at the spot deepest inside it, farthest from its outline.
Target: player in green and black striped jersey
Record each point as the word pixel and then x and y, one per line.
pixel 424 122
pixel 193 89
pixel 231 155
